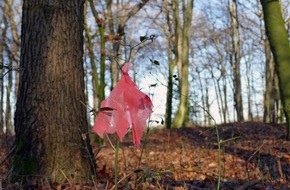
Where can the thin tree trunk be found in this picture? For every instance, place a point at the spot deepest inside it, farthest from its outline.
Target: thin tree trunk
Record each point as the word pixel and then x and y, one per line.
pixel 226 111
pixel 101 26
pixel 207 105
pixel 183 39
pixel 235 61
pixel 249 90
pixel 269 96
pixel 222 104
pixel 169 94
pixel 202 98
pixel 8 111
pixel 50 119
pixel 1 91
pixel 2 69
pixel 12 60
pixel 171 64
pixel 217 94
pixel 95 77
pixel 119 30
pixel 223 96
pixel 279 117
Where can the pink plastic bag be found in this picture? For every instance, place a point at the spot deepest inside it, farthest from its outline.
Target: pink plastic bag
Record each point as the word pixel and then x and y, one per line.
pixel 126 107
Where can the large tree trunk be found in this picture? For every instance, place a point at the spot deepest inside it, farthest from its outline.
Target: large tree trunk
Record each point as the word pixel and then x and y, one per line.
pixel 279 43
pixel 50 120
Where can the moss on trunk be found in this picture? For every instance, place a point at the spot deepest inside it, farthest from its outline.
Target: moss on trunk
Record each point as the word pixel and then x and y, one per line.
pixel 278 38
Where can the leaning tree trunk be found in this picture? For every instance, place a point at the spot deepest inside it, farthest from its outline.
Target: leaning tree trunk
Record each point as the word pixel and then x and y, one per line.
pixel 279 43
pixel 50 120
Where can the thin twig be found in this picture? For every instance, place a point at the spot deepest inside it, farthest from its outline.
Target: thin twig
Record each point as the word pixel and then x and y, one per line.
pixel 230 139
pixel 126 176
pixel 110 142
pixel 66 177
pixel 116 164
pixel 256 151
pixel 8 155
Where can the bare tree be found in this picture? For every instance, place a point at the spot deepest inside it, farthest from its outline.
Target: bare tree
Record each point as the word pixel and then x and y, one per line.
pixel 117 24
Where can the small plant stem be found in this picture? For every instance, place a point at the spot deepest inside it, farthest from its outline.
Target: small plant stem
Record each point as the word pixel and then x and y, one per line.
pixel 219 157
pixel 116 164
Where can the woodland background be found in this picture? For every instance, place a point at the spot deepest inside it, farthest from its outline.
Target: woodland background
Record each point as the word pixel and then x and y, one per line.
pixel 117 26
pixel 201 62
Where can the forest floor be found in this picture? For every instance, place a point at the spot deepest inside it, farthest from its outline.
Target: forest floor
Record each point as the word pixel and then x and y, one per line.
pixel 253 156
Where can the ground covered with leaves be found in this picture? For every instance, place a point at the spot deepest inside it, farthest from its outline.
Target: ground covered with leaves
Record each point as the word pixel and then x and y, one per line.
pixel 251 156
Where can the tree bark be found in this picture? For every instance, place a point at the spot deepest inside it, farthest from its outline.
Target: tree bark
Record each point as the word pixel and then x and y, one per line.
pixel 50 120
pixel 182 35
pixel 2 68
pixel 171 63
pixel 95 75
pixel 235 61
pixel 279 43
pixel 249 90
pixel 269 96
pixel 169 94
pixel 8 111
pixel 100 91
pixel 208 118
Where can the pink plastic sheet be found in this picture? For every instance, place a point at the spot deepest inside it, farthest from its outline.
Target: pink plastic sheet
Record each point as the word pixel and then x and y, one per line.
pixel 126 108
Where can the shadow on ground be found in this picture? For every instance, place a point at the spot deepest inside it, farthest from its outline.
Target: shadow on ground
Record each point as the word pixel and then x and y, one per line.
pixel 252 155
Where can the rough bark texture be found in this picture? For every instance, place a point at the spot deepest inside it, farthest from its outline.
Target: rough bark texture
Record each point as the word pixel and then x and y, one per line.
pixel 50 120
pixel 278 38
